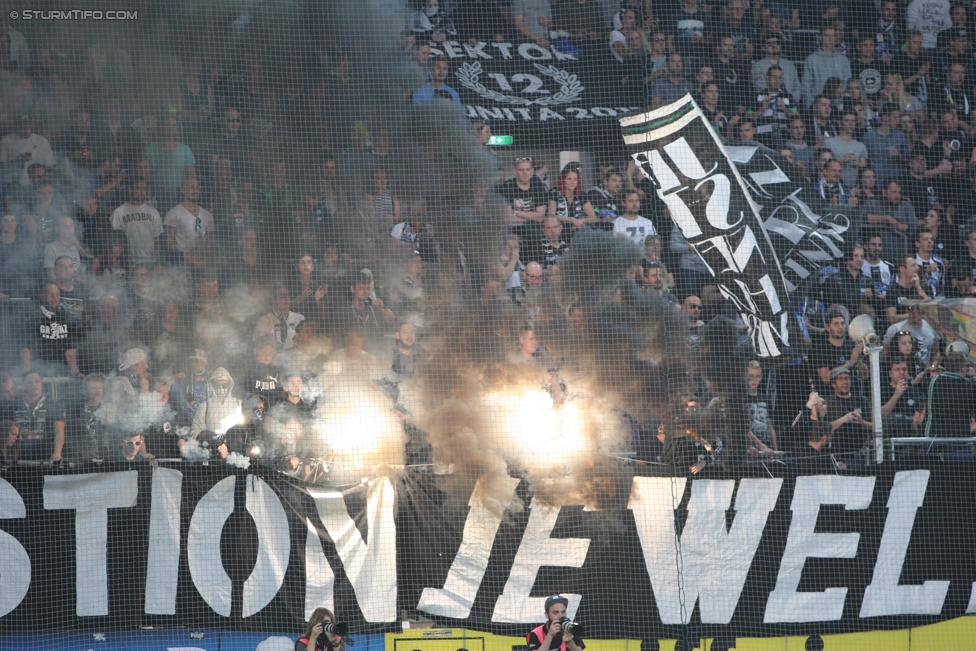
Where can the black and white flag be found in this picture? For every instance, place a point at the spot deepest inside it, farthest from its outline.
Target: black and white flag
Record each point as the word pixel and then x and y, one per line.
pixel 739 211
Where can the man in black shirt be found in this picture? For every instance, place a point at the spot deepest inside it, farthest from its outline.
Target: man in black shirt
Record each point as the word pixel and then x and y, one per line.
pixel 41 422
pixel 527 197
pixel 834 348
pixel 603 198
pixel 552 244
pixel 50 338
pixel 85 435
pixel 913 64
pixel 951 399
pixel 868 69
pixel 963 270
pixel 902 405
pixel 849 286
pixel 263 377
pixel 847 413
pixel 908 286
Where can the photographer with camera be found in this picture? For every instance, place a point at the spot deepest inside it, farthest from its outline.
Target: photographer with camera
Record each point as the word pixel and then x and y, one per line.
pixel 557 626
pixel 322 632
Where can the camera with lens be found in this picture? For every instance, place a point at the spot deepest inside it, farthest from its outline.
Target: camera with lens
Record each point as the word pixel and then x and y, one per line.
pixel 336 628
pixel 571 627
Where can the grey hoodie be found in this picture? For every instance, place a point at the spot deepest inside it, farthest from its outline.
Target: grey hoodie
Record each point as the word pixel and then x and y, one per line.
pixel 217 414
pixel 818 68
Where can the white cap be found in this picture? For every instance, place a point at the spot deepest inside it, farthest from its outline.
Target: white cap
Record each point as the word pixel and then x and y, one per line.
pixel 132 357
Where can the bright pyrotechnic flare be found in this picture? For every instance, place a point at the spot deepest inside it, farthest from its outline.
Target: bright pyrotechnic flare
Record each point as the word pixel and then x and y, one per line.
pixel 531 431
pixel 359 434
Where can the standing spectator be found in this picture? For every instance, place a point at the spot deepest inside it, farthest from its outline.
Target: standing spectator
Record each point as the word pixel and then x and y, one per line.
pixel 140 222
pixel 188 224
pixel 833 348
pixel 913 65
pixel 221 410
pixel 953 94
pixel 85 436
pixel 50 339
pixel 65 244
pixel 887 145
pixel 907 286
pixel 902 405
pixel 23 148
pixel 849 287
pixel 552 245
pixel 848 414
pixel 928 17
pixel 280 322
pixel 830 188
pixel 533 20
pixel 889 34
pixel 171 159
pixel 923 334
pixel 803 154
pixel 868 68
pixel 77 152
pixel 673 86
pixel 963 271
pixel 851 153
pixel 824 64
pixel 952 397
pixel 822 122
pixel 630 224
pixel 568 203
pixel 440 68
pixel 894 214
pixel 188 394
pixel 731 75
pixel 527 197
pixel 774 107
pixel 604 197
pixel 761 428
pixel 932 267
pixel 740 28
pixel 41 422
pixel 18 260
pixel 690 27
pixel 772 48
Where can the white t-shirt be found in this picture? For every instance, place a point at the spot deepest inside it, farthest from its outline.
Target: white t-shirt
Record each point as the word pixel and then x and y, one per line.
pixel 11 148
pixel 55 250
pixel 636 231
pixel 187 230
pixel 142 226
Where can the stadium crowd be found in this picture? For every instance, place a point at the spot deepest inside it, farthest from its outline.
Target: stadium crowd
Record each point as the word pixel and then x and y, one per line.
pixel 188 242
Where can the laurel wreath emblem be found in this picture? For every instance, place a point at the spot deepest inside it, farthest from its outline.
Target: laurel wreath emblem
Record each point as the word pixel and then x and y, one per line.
pixel 569 91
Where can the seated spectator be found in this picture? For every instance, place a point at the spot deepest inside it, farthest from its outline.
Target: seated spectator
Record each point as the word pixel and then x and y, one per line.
pixel 511 267
pixel 711 106
pixel 924 335
pixel 731 75
pixel 171 160
pixel 907 286
pixel 440 68
pixel 824 64
pixel 953 94
pixel 188 224
pixel 834 348
pixel 830 188
pixel 790 81
pixel 619 47
pixel 432 23
pixel 849 415
pixel 912 64
pixel 50 341
pixel 74 296
pixel 353 359
pixel 672 86
pixel 139 221
pixel 280 322
pixel 405 353
pixel 693 273
pixel 23 148
pixel 47 206
pixel 630 224
pixel 583 21
pixel 852 154
pixel 902 405
pixel 406 289
pixel 221 410
pixel 527 198
pixel 41 421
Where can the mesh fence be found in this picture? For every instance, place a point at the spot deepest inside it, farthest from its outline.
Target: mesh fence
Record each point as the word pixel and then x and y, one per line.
pixel 439 323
